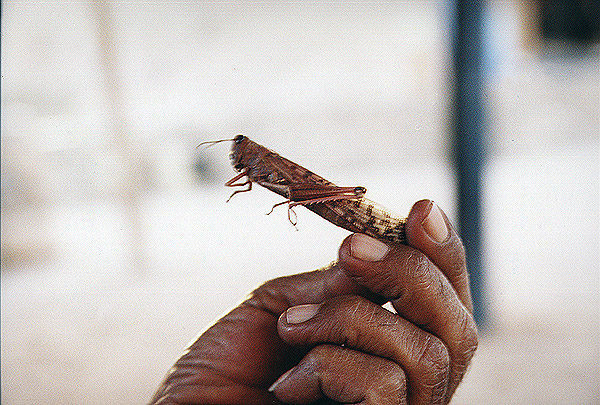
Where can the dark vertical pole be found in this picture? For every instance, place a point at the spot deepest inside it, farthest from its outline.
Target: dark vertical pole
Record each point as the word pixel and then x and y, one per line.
pixel 468 147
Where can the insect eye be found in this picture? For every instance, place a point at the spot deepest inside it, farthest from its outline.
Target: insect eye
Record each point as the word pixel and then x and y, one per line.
pixel 360 190
pixel 238 139
pixel 238 166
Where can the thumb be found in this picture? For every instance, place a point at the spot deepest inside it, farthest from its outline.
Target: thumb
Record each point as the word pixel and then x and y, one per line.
pixel 429 230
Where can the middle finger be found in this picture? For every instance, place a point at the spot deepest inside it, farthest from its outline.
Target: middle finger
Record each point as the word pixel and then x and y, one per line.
pixel 362 325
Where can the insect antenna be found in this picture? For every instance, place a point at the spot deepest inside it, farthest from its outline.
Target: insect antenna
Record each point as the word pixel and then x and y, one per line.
pixel 211 143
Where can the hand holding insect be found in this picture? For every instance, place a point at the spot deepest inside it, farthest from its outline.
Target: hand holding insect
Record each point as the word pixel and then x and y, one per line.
pixel 323 336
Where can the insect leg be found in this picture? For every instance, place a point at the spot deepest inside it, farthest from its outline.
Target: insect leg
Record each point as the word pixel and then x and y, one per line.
pixel 295 221
pixel 290 209
pixel 232 183
pixel 277 205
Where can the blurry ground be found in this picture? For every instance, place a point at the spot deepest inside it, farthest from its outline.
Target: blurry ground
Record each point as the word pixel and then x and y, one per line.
pixel 360 104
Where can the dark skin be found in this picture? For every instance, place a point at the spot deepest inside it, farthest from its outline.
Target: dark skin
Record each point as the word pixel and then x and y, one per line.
pixel 323 337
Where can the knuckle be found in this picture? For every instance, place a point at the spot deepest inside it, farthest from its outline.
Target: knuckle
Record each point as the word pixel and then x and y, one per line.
pixel 395 382
pixel 348 317
pixel 468 340
pixel 436 356
pixel 421 271
pixel 458 263
pixel 418 262
pixel 434 364
pixel 318 355
pixel 341 308
pixel 391 387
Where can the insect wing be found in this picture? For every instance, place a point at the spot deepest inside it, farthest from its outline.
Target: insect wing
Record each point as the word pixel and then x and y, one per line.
pixel 292 173
pixel 327 192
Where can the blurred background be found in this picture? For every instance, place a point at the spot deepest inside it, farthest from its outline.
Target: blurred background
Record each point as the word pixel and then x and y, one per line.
pixel 117 244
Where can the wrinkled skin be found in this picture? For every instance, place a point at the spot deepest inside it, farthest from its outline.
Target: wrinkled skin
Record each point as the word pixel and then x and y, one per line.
pixel 344 347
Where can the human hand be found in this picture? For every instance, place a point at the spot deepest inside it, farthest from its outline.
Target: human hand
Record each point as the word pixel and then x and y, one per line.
pixel 323 337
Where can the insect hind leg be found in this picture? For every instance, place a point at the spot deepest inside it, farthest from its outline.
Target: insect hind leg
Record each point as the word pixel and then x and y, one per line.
pixel 290 210
pixel 277 205
pixel 295 221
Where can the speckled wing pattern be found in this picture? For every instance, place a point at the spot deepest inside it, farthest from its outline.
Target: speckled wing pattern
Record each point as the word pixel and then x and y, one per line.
pixel 364 216
pixel 357 215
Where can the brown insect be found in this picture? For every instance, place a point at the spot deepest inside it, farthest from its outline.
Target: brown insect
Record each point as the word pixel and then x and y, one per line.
pixel 343 206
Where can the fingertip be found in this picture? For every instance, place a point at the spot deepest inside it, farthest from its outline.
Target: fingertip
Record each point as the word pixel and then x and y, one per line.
pixel 281 379
pixel 435 224
pixel 421 207
pixel 300 313
pixel 427 223
pixel 298 385
pixel 429 230
pixel 367 248
pixel 361 270
pixel 362 250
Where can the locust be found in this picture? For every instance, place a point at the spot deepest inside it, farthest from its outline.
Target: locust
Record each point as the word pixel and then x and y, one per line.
pixel 345 207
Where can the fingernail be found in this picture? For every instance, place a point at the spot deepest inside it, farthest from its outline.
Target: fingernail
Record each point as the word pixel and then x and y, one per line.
pixel 366 248
pixel 280 379
pixel 301 313
pixel 435 225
